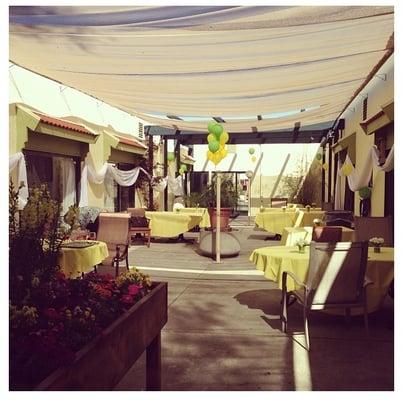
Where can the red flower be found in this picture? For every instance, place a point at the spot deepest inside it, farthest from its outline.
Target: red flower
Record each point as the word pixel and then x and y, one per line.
pixel 134 289
pixel 127 299
pixel 51 313
pixel 60 276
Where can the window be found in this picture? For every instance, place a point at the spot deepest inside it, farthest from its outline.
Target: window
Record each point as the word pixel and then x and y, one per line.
pixel 365 109
pixel 60 174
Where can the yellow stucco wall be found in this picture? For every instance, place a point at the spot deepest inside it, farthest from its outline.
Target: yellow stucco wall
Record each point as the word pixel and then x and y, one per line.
pixel 379 93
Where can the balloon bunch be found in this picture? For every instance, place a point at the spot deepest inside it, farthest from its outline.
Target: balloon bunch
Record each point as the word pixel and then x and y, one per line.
pixel 252 152
pixel 217 139
pixel 170 157
pixel 183 168
pixel 365 192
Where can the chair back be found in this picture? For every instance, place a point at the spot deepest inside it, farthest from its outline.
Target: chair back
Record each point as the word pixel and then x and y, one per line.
pixel 369 227
pixel 339 218
pixel 137 212
pixel 336 273
pixel 329 234
pixel 113 229
pixel 278 202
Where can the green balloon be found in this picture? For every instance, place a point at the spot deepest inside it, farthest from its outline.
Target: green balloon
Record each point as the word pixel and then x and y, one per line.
pixel 184 167
pixel 365 192
pixel 210 126
pixel 251 150
pixel 171 157
pixel 217 130
pixel 319 156
pixel 214 146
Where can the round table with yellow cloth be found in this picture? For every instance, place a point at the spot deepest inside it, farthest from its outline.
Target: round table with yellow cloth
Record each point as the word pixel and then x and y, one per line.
pixel 171 223
pixel 292 235
pixel 199 211
pixel 275 221
pixel 276 259
pixel 73 262
pixel 305 218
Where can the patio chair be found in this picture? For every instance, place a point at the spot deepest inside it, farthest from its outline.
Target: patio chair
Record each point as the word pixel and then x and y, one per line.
pixel 278 202
pixel 339 218
pixel 329 234
pixel 139 224
pixel 336 279
pixel 369 227
pixel 113 230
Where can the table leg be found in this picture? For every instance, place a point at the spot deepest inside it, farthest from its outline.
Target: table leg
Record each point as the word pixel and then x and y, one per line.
pixel 153 364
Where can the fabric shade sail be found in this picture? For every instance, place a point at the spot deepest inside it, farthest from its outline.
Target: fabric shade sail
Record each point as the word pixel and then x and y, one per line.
pixel 233 62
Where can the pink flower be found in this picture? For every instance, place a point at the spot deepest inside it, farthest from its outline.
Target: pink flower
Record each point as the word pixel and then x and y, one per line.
pixel 127 299
pixel 134 289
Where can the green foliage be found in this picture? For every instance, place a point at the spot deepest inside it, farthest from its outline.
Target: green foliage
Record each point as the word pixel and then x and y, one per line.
pixel 229 194
pixel 35 236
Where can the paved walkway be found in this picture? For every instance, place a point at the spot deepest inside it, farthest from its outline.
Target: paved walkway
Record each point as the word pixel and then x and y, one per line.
pixel 223 331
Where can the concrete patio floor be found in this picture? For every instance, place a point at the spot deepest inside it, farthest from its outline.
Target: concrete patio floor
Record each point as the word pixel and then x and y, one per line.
pixel 223 330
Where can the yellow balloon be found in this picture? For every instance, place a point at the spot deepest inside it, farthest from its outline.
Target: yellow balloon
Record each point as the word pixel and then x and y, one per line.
pixel 223 152
pixel 211 137
pixel 346 169
pixel 253 158
pixel 209 155
pixel 325 166
pixel 216 158
pixel 224 138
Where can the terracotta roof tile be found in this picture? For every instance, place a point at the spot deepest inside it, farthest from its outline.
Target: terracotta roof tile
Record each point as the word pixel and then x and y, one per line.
pixel 59 123
pixel 130 142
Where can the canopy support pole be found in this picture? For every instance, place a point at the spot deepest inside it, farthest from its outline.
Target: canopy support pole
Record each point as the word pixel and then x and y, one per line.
pixel 218 221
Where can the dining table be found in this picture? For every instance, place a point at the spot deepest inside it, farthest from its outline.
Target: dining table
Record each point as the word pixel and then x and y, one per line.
pixel 168 224
pixel 273 260
pixel 80 256
pixel 291 235
pixel 198 211
pixel 275 221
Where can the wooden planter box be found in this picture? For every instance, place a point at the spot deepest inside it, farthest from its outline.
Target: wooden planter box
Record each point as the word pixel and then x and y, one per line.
pixel 102 363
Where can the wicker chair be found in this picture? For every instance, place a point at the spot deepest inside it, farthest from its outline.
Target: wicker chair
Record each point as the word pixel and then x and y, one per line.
pixel 329 234
pixel 369 227
pixel 139 224
pixel 113 230
pixel 336 279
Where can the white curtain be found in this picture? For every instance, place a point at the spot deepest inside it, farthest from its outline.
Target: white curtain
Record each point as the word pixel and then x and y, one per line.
pixel 68 182
pixel 18 160
pixel 359 179
pixel 175 185
pixel 337 190
pixel 160 186
pixel 107 171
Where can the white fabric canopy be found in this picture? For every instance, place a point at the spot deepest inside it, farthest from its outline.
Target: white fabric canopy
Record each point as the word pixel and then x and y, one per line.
pixel 207 61
pixel 18 160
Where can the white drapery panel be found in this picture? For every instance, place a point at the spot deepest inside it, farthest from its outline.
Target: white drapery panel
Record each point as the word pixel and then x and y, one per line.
pixel 207 61
pixel 337 189
pixel 175 185
pixel 67 182
pixel 160 186
pixel 107 171
pixel 359 179
pixel 18 160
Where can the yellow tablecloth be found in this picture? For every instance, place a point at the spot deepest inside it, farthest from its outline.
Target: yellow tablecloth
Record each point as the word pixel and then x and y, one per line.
pixel 305 218
pixel 202 212
pixel 276 259
pixel 171 223
pixel 275 221
pixel 291 235
pixel 75 261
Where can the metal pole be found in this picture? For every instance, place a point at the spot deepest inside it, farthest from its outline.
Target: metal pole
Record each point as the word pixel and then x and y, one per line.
pixel 218 223
pixel 249 196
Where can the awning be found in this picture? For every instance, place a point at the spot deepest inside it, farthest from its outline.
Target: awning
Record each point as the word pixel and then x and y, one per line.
pixel 262 67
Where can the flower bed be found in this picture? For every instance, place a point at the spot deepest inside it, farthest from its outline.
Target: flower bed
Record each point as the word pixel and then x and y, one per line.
pixel 63 315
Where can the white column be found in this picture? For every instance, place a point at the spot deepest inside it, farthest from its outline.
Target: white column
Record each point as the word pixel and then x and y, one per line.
pixel 218 223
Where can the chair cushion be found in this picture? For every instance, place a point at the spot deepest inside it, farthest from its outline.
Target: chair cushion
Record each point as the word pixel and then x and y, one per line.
pixel 139 222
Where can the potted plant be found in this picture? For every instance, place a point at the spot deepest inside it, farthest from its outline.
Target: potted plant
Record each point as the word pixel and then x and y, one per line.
pixel 377 242
pixel 229 199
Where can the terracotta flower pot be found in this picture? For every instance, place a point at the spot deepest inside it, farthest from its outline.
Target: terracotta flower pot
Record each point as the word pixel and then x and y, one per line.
pixel 224 220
